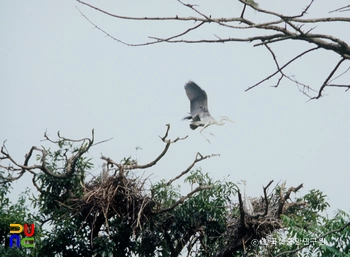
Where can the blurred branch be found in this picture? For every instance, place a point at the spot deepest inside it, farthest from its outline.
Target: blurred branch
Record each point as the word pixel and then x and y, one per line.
pixel 342 9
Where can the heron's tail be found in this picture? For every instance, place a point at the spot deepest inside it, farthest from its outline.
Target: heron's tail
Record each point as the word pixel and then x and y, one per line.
pixel 187 118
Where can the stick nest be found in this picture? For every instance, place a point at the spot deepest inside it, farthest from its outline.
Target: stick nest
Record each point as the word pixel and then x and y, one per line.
pixel 115 196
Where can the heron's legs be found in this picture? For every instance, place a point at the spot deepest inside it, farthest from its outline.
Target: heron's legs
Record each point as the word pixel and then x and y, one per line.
pixel 202 130
pixel 209 133
pixel 206 138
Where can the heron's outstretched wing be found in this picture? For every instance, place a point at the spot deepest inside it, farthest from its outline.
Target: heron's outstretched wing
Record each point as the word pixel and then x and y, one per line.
pixel 198 99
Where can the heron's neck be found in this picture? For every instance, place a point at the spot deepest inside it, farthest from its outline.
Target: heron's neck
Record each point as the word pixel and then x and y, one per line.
pixel 221 122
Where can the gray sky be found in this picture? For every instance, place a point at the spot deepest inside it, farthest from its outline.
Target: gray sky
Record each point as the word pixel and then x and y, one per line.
pixel 59 73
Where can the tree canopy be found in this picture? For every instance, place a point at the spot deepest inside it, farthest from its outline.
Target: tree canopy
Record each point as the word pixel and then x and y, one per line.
pixel 121 214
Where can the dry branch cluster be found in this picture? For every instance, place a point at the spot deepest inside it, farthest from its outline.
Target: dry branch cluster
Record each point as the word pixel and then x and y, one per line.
pixel 66 171
pixel 116 196
pixel 278 28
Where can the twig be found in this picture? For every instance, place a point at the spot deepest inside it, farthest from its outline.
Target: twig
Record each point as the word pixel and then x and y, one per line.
pixel 152 163
pixel 280 69
pixel 177 35
pixel 198 158
pixel 341 9
pixel 328 78
pixel 182 199
pixel 191 6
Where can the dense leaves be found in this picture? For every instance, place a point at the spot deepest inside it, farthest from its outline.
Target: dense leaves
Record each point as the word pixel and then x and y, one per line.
pixel 125 218
pixel 16 213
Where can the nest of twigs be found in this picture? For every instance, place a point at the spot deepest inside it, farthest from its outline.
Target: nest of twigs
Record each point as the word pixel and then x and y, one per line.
pixel 242 230
pixel 115 196
pixel 265 224
pixel 261 222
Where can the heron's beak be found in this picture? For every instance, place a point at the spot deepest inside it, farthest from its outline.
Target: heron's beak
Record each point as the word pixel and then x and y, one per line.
pixel 227 119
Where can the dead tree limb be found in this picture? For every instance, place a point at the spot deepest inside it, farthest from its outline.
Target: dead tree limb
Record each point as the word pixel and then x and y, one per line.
pixel 282 28
pixel 69 169
pixel 284 198
pixel 135 166
pixel 198 158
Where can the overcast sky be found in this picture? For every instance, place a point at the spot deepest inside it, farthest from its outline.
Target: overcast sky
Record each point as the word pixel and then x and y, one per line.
pixel 59 73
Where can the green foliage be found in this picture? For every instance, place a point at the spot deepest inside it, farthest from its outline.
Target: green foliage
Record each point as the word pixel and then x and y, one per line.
pixel 205 211
pixel 306 228
pixel 55 191
pixel 339 241
pixel 17 213
pixel 165 195
pixel 66 238
pixel 175 222
pixel 69 235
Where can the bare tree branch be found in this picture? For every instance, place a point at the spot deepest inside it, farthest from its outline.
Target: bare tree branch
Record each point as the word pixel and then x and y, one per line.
pixel 167 142
pixel 266 204
pixel 86 143
pixel 341 9
pixel 281 29
pixel 159 40
pixel 182 199
pixel 199 158
pixel 283 199
pixel 328 79
pixel 280 69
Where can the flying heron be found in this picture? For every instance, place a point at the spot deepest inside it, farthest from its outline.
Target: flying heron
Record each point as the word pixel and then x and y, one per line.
pixel 199 108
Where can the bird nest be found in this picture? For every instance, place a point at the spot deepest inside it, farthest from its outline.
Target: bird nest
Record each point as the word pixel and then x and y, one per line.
pixel 115 196
pixel 258 223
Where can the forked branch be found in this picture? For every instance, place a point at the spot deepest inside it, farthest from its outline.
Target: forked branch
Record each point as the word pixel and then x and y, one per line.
pixel 134 166
pixel 69 168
